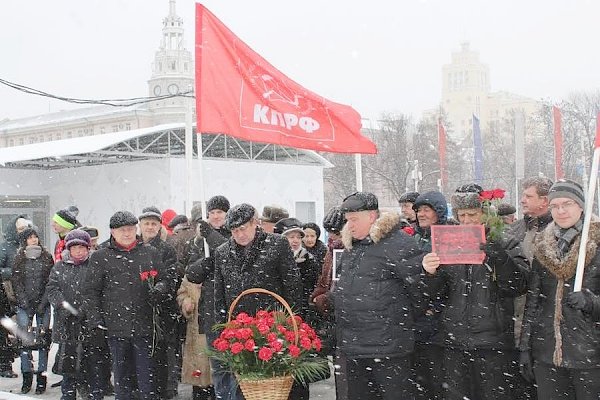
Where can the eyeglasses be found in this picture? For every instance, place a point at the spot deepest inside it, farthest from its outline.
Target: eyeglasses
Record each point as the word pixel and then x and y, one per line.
pixel 565 206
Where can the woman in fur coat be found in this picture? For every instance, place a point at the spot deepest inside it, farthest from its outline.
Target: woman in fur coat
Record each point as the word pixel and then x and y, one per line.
pixel 196 368
pixel 560 340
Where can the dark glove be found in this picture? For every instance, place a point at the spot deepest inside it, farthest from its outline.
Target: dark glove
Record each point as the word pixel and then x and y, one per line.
pixel 323 304
pixel 204 228
pixel 582 300
pixel 155 295
pixel 526 366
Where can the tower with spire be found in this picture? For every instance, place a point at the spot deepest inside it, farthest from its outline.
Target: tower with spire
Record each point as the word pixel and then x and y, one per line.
pixel 173 66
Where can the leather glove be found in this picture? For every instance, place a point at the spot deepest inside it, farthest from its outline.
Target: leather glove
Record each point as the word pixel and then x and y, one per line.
pixel 155 296
pixel 319 290
pixel 526 366
pixel 323 304
pixel 204 228
pixel 582 300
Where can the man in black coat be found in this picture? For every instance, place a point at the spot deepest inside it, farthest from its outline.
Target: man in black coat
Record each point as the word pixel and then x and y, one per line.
pixel 254 259
pixel 126 284
pixel 476 328
pixel 375 300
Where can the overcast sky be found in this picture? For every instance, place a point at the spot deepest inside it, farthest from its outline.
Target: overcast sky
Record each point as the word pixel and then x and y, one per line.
pixel 377 56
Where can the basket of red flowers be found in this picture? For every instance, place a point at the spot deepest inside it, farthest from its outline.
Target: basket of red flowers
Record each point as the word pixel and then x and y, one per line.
pixel 268 351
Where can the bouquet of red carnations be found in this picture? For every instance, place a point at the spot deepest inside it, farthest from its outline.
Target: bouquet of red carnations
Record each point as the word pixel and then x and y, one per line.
pixel 270 347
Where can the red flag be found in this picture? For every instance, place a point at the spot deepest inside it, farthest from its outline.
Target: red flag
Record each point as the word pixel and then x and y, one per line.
pixel 239 93
pixel 597 144
pixel 558 143
pixel 442 152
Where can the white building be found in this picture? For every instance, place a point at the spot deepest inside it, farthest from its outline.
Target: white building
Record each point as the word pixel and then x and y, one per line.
pixel 105 159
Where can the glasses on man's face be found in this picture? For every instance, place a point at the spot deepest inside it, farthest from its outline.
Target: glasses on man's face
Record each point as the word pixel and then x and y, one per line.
pixel 567 205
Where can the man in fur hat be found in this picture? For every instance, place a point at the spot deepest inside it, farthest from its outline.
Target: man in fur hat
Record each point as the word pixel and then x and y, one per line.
pixel 374 301
pixel 476 329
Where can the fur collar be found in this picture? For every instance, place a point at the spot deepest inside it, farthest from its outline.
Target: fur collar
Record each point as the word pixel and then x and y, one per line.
pixel 381 228
pixel 546 251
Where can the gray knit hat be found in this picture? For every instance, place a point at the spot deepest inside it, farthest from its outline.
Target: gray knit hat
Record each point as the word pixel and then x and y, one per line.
pixel 568 189
pixel 151 212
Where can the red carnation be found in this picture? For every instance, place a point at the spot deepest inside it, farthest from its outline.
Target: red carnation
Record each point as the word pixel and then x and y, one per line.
pixel 263 328
pixel 244 318
pixel 271 337
pixel 262 314
pixel 144 276
pixel 276 345
pixel 294 350
pixel 498 193
pixel 265 354
pixel 306 343
pixel 249 345
pixel 153 273
pixel 409 230
pixel 290 336
pixel 221 344
pixel 197 373
pixel 486 195
pixel 228 333
pixel 317 344
pixel 237 348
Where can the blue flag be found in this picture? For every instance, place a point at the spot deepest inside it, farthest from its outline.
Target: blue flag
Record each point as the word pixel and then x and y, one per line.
pixel 477 151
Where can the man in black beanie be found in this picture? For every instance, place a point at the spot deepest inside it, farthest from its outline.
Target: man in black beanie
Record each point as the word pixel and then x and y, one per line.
pixel 252 258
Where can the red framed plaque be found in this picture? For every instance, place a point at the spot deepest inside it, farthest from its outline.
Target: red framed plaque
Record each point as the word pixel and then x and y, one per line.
pixel 458 244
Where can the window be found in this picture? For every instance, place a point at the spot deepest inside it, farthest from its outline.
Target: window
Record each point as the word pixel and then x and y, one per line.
pixel 305 211
pixel 11 143
pixel 21 141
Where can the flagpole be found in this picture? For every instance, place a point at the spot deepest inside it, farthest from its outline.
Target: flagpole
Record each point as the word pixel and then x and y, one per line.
pixel 589 205
pixel 189 143
pixel 358 168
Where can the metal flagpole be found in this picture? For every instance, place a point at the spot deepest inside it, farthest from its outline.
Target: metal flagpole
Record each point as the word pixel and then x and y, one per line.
pixel 358 168
pixel 589 205
pixel 189 143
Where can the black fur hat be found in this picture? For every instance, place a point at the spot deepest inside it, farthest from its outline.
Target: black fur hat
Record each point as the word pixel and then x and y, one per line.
pixel 239 215
pixel 122 218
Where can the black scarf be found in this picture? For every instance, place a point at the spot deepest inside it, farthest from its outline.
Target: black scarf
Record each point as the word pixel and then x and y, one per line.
pixel 566 236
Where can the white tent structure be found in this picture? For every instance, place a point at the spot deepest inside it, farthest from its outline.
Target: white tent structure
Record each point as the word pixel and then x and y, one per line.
pixel 134 169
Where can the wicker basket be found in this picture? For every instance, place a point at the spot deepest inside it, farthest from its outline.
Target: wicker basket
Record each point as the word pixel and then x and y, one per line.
pixel 278 387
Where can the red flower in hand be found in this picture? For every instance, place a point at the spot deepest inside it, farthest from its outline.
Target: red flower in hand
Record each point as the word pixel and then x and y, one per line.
pixel 144 276
pixel 486 195
pixel 153 273
pixel 265 354
pixel 498 193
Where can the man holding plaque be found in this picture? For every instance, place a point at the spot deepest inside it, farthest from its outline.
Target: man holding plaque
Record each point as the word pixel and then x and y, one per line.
pixel 374 301
pixel 477 326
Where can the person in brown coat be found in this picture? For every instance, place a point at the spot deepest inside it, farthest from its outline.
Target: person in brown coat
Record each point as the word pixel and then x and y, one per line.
pixel 196 367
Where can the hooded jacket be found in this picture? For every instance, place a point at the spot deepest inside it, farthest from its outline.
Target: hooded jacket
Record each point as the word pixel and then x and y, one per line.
pixel 437 201
pixel 554 332
pixel 378 290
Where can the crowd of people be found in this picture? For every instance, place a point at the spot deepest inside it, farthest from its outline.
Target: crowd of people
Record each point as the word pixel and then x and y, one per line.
pixel 397 320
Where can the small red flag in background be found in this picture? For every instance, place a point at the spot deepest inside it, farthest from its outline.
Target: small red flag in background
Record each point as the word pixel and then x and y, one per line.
pixel 597 144
pixel 558 143
pixel 240 94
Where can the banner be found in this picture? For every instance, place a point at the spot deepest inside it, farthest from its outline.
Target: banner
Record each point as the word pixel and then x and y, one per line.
pixel 240 94
pixel 558 143
pixel 477 151
pixel 442 155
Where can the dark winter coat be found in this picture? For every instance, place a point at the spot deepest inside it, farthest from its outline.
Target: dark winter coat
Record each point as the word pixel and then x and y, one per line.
pixel 319 250
pixel 29 279
pixel 115 295
pixel 309 271
pixel 478 302
pixel 9 247
pixel 169 309
pixel 378 290
pixel 266 263
pixel 554 332
pixel 204 273
pixel 66 283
